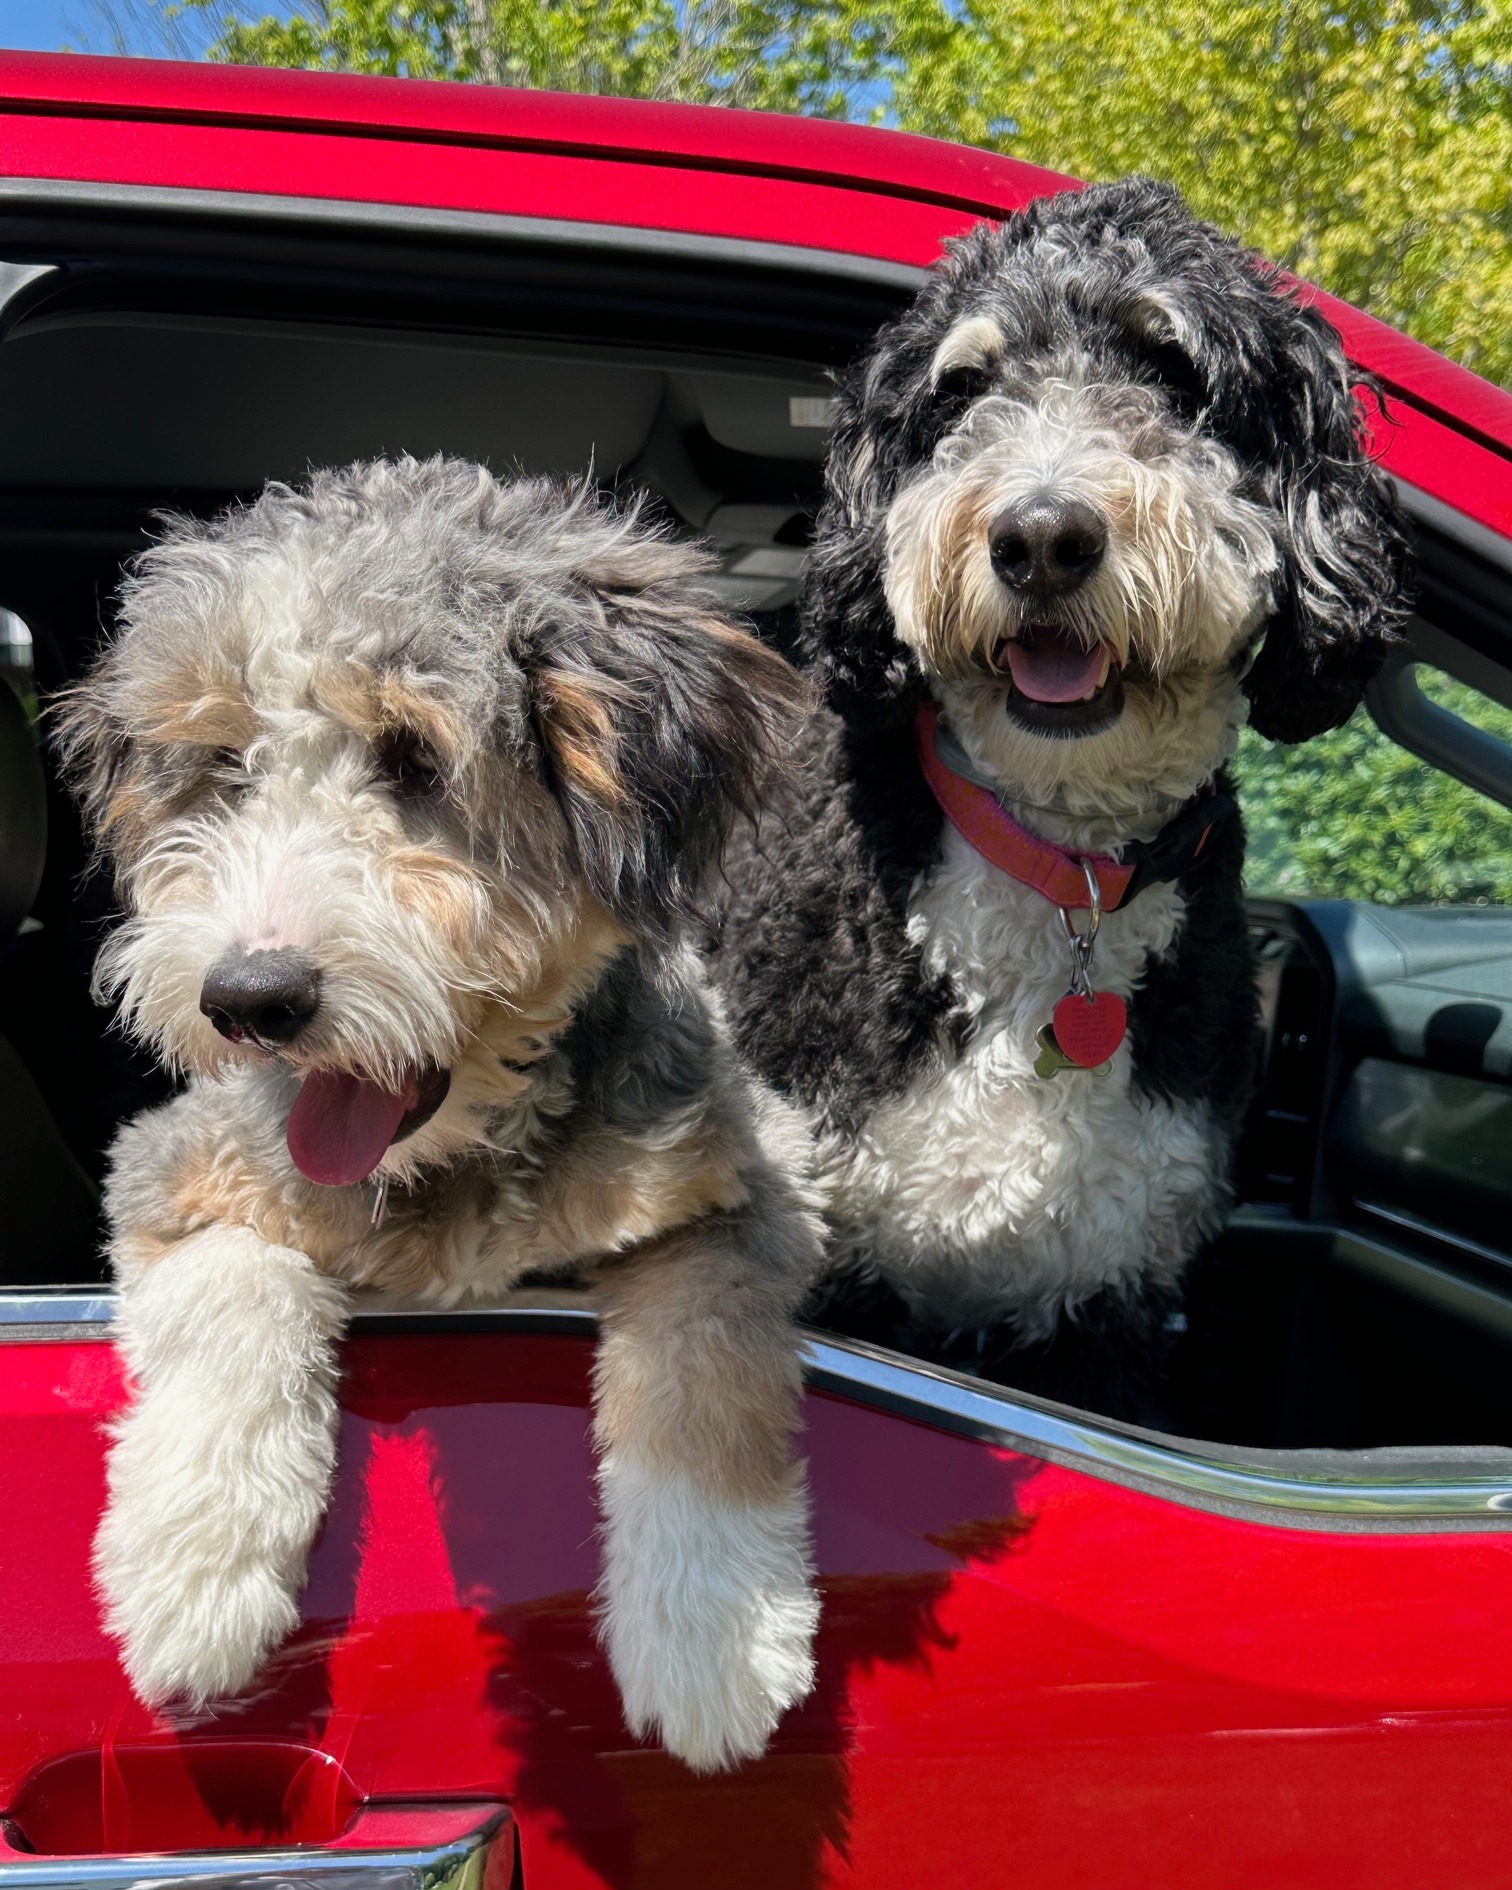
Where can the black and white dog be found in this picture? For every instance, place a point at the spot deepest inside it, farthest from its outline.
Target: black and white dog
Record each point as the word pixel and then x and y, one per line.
pixel 1094 499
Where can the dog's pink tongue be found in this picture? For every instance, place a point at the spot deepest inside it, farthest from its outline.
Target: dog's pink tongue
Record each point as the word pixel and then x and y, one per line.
pixel 1049 666
pixel 341 1125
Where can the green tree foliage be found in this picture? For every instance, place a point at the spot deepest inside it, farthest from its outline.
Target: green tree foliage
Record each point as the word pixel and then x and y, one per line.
pixel 771 55
pixel 1350 815
pixel 1364 144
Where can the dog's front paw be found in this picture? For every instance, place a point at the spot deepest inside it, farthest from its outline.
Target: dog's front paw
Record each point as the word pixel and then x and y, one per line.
pixel 708 1613
pixel 198 1562
pixel 195 1615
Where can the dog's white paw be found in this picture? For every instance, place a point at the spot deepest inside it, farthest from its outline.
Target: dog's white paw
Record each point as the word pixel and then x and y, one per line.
pixel 708 1612
pixel 195 1619
pixel 219 1471
pixel 198 1562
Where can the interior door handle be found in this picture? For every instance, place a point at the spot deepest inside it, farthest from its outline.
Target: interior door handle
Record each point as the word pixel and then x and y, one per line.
pixel 385 1847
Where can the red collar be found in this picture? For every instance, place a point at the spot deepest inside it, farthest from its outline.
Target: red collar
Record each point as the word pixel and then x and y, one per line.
pixel 979 817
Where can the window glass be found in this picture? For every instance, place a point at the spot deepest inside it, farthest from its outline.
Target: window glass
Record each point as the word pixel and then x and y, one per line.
pixel 1350 815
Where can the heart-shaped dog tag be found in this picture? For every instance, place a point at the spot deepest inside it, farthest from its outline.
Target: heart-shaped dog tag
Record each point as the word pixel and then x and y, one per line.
pixel 1089 1030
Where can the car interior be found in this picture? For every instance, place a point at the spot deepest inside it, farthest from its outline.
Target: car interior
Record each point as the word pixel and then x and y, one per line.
pixel 150 361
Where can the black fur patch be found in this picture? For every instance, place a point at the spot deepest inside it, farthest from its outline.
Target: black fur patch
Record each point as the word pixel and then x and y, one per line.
pixel 1194 1023
pixel 827 998
pixel 640 1051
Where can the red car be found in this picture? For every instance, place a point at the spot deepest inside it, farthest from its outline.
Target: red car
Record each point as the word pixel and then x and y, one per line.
pixel 1275 1650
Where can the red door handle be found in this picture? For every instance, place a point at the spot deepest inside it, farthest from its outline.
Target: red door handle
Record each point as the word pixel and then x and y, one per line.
pixel 169 1795
pixel 219 1813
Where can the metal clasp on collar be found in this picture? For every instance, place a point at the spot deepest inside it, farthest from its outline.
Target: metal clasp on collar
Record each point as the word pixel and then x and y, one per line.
pixel 1083 943
pixel 1087 1026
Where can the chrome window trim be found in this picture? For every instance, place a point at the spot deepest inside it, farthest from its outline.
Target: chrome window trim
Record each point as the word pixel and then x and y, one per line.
pixel 1389 1490
pixel 362 218
pixel 1297 1489
pixel 457 1864
pixel 33 1312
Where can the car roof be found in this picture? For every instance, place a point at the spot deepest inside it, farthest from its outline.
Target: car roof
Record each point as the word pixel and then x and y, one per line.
pixel 719 137
pixel 890 196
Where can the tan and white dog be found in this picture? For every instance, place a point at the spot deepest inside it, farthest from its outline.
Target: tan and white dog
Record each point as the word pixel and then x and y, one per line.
pixel 410 780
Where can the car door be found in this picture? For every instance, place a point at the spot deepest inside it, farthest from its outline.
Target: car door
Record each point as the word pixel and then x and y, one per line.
pixel 1054 1650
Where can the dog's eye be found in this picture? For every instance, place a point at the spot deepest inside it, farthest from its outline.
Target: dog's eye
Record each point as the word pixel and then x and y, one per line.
pixel 227 769
pixel 407 764
pixel 959 386
pixel 1174 369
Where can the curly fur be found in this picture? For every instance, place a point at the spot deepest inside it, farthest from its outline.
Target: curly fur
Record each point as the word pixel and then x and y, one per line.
pixel 464 752
pixel 1119 287
pixel 1105 347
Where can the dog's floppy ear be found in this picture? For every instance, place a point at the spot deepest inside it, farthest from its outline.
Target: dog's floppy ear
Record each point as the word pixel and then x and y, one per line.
pixel 1346 566
pixel 659 721
pixel 889 415
pixel 885 425
pixel 97 752
pixel 846 637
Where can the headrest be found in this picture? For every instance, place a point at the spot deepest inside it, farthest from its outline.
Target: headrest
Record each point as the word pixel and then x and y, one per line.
pixel 23 815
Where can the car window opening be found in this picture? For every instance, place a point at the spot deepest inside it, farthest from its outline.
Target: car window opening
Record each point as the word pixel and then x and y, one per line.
pixel 1292 1340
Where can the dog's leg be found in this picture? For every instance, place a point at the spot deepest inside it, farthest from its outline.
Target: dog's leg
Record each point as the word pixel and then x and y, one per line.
pixel 220 1469
pixel 708 1609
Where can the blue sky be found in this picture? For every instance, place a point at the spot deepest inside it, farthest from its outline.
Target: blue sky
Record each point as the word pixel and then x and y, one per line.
pixel 43 25
pixel 83 25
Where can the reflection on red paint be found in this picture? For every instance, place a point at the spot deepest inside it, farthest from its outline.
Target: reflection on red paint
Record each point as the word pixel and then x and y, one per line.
pixel 1026 1676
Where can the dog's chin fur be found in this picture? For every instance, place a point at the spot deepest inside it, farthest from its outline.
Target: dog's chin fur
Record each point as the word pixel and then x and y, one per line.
pixel 1115 784
pixel 470 750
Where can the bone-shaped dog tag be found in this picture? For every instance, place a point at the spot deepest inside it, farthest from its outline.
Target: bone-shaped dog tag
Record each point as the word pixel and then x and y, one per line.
pixel 1051 1059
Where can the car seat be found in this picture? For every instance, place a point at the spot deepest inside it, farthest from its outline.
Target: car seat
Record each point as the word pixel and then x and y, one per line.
pixel 48 1204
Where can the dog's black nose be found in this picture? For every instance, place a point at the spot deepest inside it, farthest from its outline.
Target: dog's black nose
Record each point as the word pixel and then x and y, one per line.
pixel 267 996
pixel 1046 544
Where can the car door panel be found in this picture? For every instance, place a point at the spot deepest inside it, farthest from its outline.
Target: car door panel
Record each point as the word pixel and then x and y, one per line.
pixel 1023 1662
pixel 1428 1144
pixel 1362 1293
